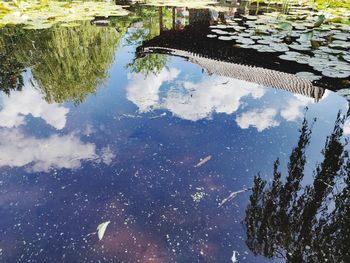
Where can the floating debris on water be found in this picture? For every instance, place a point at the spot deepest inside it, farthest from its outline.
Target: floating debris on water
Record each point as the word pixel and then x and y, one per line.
pixel 234 257
pixel 231 196
pixel 198 196
pixel 101 229
pixel 203 161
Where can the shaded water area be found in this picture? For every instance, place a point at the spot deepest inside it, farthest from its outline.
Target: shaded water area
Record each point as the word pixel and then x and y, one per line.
pixel 190 152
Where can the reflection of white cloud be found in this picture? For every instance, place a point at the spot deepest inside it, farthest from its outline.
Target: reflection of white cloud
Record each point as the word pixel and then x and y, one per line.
pixel 347 127
pixel 107 155
pixel 56 151
pixel 294 108
pixel 144 90
pixel 214 94
pixel 193 101
pixel 30 101
pixel 260 119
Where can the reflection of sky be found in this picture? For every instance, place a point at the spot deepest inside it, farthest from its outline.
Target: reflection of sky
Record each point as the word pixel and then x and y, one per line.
pixel 65 168
pixel 29 101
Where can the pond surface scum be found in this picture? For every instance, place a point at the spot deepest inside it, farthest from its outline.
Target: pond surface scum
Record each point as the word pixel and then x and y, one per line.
pixel 181 131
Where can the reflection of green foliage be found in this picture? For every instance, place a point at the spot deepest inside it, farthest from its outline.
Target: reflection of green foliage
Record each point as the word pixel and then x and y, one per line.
pixel 10 68
pixel 296 223
pixel 71 63
pixel 149 63
pixel 10 73
pixel 149 17
pixel 67 63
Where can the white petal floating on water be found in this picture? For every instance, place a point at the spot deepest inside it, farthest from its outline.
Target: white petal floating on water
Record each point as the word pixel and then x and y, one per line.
pixel 203 161
pixel 211 36
pixel 101 229
pixel 234 257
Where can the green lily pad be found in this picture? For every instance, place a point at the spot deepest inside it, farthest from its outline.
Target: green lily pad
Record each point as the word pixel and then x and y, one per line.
pixel 336 73
pixel 225 38
pixel 38 15
pixel 308 75
pixel 339 44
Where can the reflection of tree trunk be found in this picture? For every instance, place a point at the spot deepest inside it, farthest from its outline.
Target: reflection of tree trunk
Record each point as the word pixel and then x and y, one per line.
pixel 173 18
pixel 161 27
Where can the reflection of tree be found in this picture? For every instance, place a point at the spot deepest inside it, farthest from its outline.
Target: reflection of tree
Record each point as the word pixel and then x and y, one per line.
pixel 149 63
pixel 149 17
pixel 10 68
pixel 304 224
pixel 68 63
pixel 72 62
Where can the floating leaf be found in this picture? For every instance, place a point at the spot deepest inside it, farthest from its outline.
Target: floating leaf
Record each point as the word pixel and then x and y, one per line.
pixel 203 161
pixel 101 229
pixel 231 196
pixel 285 26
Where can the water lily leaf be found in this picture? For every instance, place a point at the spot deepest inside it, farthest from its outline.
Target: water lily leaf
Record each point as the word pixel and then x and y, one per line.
pixel 246 41
pixel 345 57
pixel 226 38
pixel 285 26
pixel 303 47
pixel 336 73
pixel 101 229
pixel 308 75
pixel 43 14
pixel 339 44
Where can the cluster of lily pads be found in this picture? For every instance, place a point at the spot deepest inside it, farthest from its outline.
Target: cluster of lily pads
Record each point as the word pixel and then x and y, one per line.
pixel 179 3
pixel 304 37
pixel 44 14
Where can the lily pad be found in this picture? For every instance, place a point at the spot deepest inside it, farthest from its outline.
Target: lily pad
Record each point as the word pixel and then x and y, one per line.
pixel 225 38
pixel 308 75
pixel 336 73
pixel 38 15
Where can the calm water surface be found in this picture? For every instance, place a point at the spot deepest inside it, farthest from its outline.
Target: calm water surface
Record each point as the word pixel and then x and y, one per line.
pixel 89 134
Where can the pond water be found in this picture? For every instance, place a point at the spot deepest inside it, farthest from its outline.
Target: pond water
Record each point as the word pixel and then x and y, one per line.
pixel 174 140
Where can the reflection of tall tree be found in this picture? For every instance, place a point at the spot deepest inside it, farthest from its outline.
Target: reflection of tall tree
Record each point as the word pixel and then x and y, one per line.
pixel 68 63
pixel 286 220
pixel 151 27
pixel 72 62
pixel 10 68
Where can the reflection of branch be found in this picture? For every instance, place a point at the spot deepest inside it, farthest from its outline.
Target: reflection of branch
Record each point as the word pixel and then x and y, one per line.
pixel 298 220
